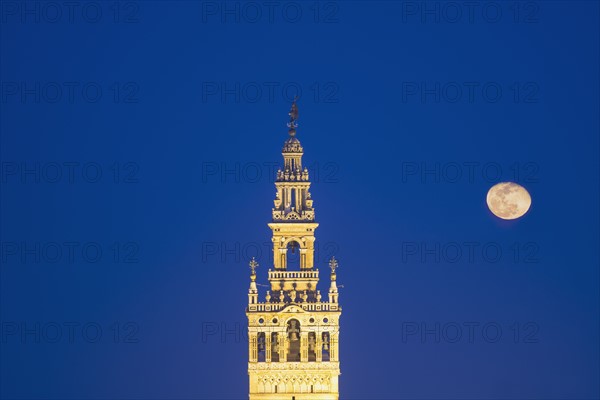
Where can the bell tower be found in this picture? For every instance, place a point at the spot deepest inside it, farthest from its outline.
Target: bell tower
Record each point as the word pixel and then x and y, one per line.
pixel 293 335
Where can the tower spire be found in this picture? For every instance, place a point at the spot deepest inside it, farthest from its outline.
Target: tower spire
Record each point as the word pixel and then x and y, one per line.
pixel 293 202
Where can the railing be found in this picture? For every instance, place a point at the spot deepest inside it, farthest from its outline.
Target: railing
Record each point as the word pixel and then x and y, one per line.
pixel 294 274
pixel 318 306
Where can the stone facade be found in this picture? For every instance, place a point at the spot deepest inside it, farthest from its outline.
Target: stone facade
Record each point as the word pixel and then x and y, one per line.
pixel 293 332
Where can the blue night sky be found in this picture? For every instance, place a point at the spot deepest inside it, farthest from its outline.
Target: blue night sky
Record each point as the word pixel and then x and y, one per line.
pixel 138 146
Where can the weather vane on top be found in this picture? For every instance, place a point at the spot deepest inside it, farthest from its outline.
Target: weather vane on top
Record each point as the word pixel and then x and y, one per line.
pixel 293 124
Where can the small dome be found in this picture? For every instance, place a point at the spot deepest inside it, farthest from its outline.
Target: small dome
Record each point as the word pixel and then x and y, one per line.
pixel 292 145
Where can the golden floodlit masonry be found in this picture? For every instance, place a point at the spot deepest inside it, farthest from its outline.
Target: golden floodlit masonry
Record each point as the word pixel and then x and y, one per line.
pixel 293 335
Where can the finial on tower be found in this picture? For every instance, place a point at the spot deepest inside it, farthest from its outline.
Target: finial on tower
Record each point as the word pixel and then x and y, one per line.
pixel 333 290
pixel 253 291
pixel 253 264
pixel 293 124
pixel 333 264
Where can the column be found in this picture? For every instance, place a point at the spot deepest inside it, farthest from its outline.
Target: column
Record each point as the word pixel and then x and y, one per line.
pixel 276 252
pixel 253 346
pixel 298 199
pixel 283 255
pixel 283 347
pixel 303 346
pixel 319 347
pixel 303 258
pixel 267 346
pixel 333 347
pixel 288 198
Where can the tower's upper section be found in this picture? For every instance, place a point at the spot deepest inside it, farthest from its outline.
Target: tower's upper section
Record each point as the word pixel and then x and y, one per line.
pixel 291 148
pixel 292 199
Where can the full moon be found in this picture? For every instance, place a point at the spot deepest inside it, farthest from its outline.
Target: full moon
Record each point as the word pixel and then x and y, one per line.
pixel 508 200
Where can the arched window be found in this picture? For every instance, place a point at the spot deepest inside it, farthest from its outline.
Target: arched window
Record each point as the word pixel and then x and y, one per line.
pixel 275 347
pixel 261 347
pixel 312 346
pixel 326 346
pixel 293 335
pixel 293 255
pixel 293 199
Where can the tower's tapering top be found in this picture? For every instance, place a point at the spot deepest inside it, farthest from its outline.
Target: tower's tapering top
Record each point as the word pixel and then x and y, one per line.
pixel 292 201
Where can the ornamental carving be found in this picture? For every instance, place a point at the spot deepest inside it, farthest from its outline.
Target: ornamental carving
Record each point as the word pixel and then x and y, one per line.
pixel 291 366
pixel 292 145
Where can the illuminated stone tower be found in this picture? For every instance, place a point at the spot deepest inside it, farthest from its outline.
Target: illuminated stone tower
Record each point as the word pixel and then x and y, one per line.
pixel 293 334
